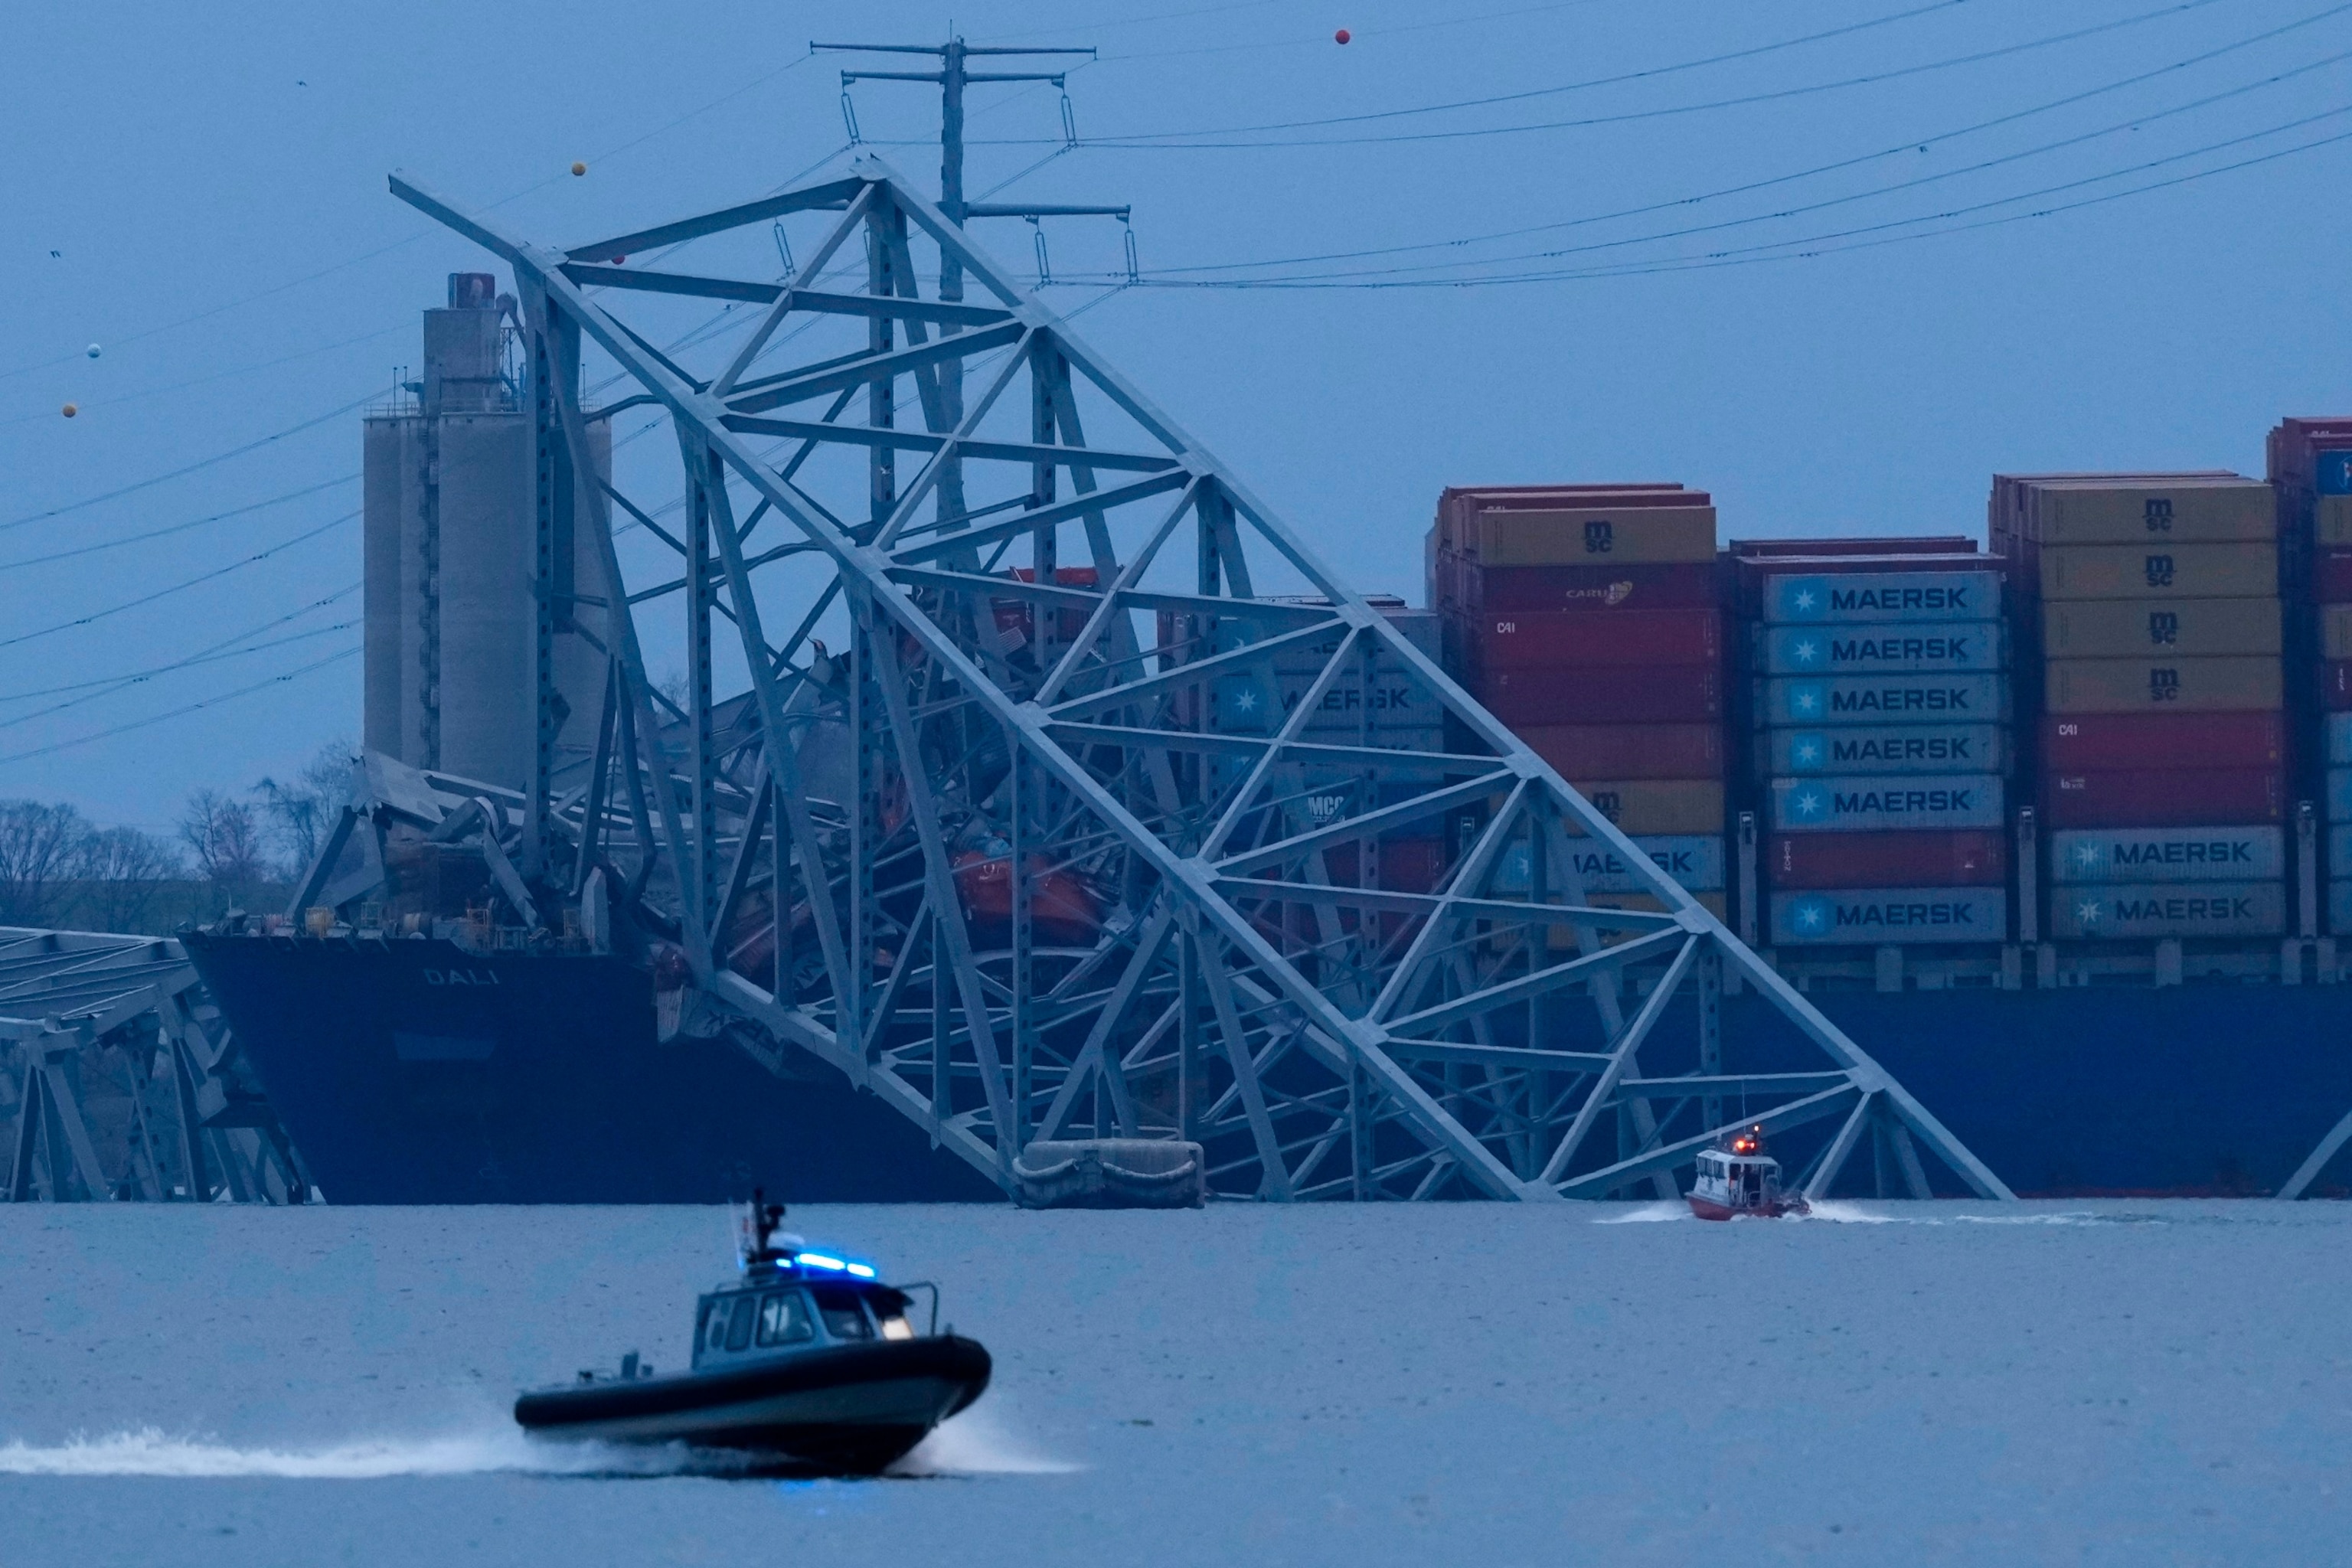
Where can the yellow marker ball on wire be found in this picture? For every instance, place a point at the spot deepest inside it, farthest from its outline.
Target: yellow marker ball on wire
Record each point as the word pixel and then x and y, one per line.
pixel 579 168
pixel 71 409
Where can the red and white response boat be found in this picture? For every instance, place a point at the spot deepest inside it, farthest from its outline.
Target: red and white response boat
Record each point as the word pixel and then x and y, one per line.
pixel 1739 1179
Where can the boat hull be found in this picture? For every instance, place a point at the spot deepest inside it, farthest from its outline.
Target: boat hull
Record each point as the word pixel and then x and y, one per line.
pixel 1707 1209
pixel 845 1410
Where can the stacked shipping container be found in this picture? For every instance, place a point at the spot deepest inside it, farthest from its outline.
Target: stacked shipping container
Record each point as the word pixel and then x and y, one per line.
pixel 2151 603
pixel 2311 473
pixel 1589 618
pixel 1881 743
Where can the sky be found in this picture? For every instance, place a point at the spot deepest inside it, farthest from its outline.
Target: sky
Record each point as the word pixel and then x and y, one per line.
pixel 1835 261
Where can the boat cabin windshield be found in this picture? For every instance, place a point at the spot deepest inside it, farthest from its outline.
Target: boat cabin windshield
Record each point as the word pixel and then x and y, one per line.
pixel 793 1316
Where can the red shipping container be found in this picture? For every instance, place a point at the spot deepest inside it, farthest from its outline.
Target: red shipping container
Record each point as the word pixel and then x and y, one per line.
pixel 1539 639
pixel 1930 544
pixel 1629 751
pixel 2156 742
pixel 2159 797
pixel 1976 858
pixel 1686 585
pixel 1665 694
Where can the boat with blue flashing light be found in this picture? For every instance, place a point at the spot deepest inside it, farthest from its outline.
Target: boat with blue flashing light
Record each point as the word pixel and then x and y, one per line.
pixel 1738 1180
pixel 806 1364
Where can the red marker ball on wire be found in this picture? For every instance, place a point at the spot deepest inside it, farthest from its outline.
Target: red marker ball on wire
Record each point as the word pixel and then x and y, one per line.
pixel 1340 36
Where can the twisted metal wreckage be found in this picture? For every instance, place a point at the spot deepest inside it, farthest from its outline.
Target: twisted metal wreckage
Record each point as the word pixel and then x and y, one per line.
pixel 1084 835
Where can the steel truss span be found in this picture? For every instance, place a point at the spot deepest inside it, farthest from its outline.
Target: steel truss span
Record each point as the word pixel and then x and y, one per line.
pixel 1083 834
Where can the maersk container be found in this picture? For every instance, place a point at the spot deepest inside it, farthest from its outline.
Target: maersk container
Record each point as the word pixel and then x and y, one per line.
pixel 1572 640
pixel 2339 795
pixel 2163 797
pixel 1882 597
pixel 2187 628
pixel 2130 742
pixel 1961 648
pixel 1872 917
pixel 1694 860
pixel 1934 802
pixel 1660 694
pixel 1689 586
pixel 2336 732
pixel 1974 858
pixel 1629 751
pixel 2198 909
pixel 1804 701
pixel 1887 749
pixel 2339 853
pixel 2166 685
pixel 2137 855
pixel 2159 572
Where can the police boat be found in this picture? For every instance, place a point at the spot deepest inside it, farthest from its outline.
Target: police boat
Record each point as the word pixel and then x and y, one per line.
pixel 806 1365
pixel 1736 1178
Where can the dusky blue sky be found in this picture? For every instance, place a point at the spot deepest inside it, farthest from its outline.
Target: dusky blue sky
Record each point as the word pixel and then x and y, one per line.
pixel 201 191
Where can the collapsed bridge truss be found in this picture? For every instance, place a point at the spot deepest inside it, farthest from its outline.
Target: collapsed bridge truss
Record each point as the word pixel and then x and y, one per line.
pixel 1077 830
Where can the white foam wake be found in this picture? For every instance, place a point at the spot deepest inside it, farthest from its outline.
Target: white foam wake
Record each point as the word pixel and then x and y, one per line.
pixel 1655 1212
pixel 975 1444
pixel 151 1452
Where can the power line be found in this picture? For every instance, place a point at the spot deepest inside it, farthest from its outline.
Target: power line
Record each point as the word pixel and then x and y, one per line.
pixel 178 712
pixel 178 527
pixel 178 587
pixel 140 677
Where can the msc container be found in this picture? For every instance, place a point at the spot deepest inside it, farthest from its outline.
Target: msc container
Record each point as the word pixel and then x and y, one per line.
pixel 1887 805
pixel 1531 639
pixel 2163 797
pixel 2135 855
pixel 2172 685
pixel 2119 629
pixel 1806 702
pixel 2122 742
pixel 2167 571
pixel 1864 917
pixel 1577 535
pixel 2209 908
pixel 1613 586
pixel 1663 694
pixel 1968 858
pixel 1965 646
pixel 1884 596
pixel 1629 751
pixel 1693 860
pixel 1887 749
pixel 1657 805
pixel 2091 513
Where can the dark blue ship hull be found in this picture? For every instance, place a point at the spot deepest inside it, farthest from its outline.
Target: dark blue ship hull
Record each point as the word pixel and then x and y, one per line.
pixel 416 1072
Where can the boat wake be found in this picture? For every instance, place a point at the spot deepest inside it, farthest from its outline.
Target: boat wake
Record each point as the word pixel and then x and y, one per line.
pixel 972 1444
pixel 1648 1214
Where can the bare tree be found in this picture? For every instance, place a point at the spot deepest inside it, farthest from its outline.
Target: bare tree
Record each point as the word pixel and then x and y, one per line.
pixel 122 870
pixel 38 846
pixel 221 832
pixel 300 811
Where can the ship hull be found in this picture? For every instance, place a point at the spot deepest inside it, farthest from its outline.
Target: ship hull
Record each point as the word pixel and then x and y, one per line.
pixel 416 1072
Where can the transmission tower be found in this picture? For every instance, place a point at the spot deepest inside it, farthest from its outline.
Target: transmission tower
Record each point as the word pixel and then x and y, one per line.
pixel 1079 833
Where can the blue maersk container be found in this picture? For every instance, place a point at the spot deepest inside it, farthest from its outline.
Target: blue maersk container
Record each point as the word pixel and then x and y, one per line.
pixel 1804 701
pixel 1887 748
pixel 2337 733
pixel 1883 596
pixel 1878 804
pixel 1876 916
pixel 1964 647
pixel 2163 855
pixel 1695 860
pixel 2204 909
pixel 2339 795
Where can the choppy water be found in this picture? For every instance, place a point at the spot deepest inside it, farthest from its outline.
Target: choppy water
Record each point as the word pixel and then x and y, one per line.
pixel 1468 1383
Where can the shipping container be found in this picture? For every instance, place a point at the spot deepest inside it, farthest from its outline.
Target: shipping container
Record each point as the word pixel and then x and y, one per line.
pixel 1663 806
pixel 2340 854
pixel 1803 703
pixel 2171 685
pixel 1579 535
pixel 1614 587
pixel 2138 913
pixel 1566 640
pixel 1883 804
pixel 1629 751
pixel 1881 596
pixel 1886 749
pixel 2163 797
pixel 2194 628
pixel 2337 792
pixel 2118 743
pixel 1896 544
pixel 2332 517
pixel 2336 629
pixel 1968 858
pixel 2138 855
pixel 1870 649
pixel 2339 909
pixel 1563 938
pixel 1694 860
pixel 2335 685
pixel 2331 576
pixel 2170 571
pixel 2335 735
pixel 1865 917
pixel 2068 513
pixel 1663 694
